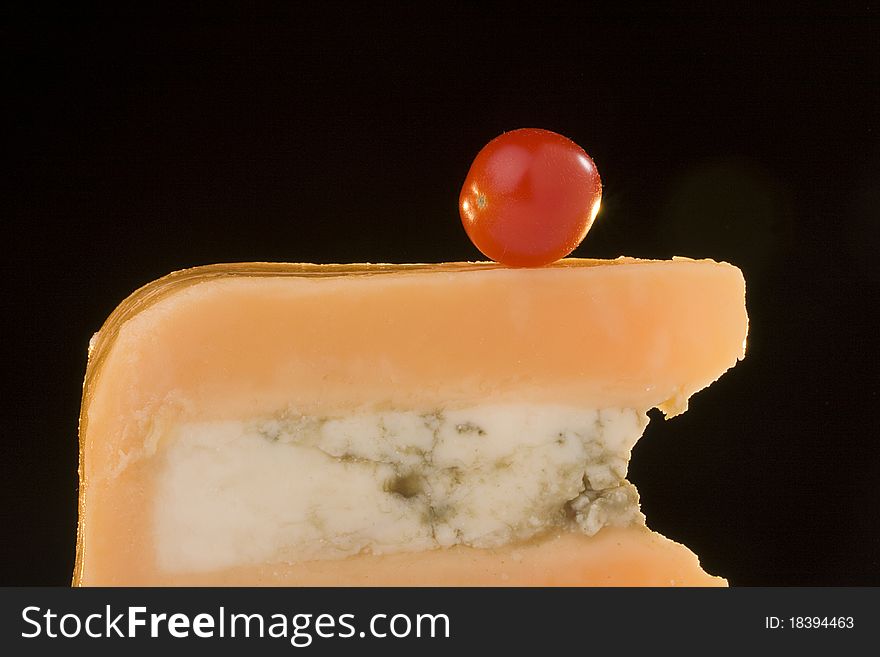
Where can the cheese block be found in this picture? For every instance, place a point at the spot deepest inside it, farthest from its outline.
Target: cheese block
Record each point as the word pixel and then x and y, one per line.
pixel 452 424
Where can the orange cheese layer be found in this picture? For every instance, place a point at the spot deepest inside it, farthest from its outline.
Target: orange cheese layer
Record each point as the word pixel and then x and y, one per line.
pixel 632 556
pixel 241 341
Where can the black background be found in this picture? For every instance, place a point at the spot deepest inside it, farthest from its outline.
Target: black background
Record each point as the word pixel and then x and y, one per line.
pixel 137 145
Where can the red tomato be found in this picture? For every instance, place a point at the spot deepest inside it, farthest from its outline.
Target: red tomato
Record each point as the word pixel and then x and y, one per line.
pixel 529 198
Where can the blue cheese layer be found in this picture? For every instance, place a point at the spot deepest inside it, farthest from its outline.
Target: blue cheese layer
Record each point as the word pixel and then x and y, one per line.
pixel 292 488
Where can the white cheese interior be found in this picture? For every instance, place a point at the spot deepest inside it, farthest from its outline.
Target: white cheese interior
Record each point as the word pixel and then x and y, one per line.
pixel 292 487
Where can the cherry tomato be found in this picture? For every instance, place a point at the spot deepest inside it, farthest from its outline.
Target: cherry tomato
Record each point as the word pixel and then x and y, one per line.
pixel 529 198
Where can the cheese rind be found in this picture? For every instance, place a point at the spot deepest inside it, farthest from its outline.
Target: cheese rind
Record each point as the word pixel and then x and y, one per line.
pixel 234 343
